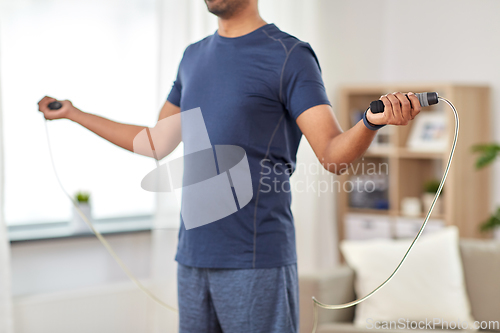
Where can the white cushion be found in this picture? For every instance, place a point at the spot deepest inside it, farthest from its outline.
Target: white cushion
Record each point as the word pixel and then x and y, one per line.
pixel 429 285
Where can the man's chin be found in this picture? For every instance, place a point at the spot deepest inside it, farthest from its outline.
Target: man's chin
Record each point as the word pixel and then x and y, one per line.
pixel 211 4
pixel 215 7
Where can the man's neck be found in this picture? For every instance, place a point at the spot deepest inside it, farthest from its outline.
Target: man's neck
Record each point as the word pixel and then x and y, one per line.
pixel 241 24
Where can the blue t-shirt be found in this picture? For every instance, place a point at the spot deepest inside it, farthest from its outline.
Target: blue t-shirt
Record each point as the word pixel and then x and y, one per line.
pixel 250 89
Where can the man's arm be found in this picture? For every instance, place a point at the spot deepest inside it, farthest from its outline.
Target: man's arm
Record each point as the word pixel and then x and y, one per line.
pixel 336 149
pixel 122 135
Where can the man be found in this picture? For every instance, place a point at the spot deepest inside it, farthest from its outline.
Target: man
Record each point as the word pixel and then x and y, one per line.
pixel 261 89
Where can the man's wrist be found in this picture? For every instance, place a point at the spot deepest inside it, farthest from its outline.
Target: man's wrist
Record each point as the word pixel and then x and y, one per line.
pixel 74 114
pixel 369 125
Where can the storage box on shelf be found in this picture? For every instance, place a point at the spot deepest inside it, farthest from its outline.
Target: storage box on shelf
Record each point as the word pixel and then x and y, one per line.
pixel 465 201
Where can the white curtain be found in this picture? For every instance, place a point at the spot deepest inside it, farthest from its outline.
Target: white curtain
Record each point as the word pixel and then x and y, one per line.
pixel 180 24
pixel 6 320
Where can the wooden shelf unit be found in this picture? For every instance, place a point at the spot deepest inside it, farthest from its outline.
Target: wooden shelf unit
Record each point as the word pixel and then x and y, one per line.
pixel 466 194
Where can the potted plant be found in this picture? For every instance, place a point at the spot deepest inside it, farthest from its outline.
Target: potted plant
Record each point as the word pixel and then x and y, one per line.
pixel 82 198
pixel 487 155
pixel 430 189
pixel 493 223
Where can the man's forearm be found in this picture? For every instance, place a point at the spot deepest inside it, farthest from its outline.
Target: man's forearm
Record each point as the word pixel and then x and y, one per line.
pixel 156 142
pixel 347 147
pixel 120 134
pixel 336 149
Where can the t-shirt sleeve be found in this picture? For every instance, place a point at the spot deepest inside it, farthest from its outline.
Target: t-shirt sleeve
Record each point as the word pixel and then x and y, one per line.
pixel 176 92
pixel 302 86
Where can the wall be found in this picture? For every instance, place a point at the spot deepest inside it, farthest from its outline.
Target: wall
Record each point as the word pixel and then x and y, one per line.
pixel 459 44
pixel 455 41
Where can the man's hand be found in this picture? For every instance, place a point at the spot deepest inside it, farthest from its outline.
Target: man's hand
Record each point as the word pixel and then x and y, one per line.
pixel 66 111
pixel 398 110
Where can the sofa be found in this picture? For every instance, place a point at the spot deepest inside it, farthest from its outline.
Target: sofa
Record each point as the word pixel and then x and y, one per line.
pixel 481 266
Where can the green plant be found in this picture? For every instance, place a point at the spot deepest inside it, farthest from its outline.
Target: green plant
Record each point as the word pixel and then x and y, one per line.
pixel 431 186
pixel 487 155
pixel 492 222
pixel 82 197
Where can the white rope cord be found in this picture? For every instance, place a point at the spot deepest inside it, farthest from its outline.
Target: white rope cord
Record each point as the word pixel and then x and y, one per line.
pixel 101 238
pixel 317 303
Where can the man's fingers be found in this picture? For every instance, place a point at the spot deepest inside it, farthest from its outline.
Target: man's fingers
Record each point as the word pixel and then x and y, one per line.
pixel 388 112
pixel 44 102
pixel 399 109
pixel 377 118
pixel 415 105
pixel 43 106
pixel 396 109
pixel 405 107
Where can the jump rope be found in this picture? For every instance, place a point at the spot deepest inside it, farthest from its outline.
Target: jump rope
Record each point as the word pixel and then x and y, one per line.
pixel 425 100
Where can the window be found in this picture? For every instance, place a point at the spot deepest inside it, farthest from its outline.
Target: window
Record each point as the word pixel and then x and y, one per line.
pixel 101 55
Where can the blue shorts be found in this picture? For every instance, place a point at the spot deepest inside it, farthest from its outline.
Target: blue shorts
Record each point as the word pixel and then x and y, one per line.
pixel 215 300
